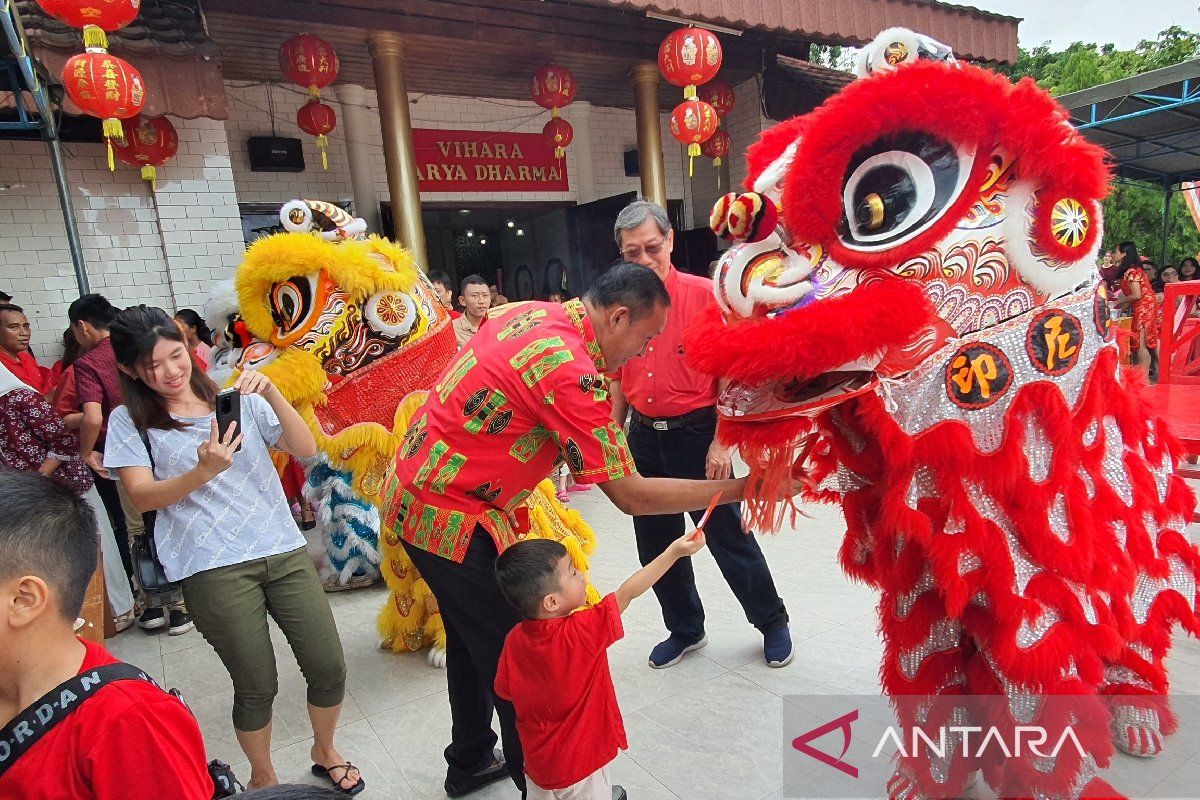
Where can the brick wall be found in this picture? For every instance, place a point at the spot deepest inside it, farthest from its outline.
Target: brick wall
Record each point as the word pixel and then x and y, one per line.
pixel 126 250
pixel 745 123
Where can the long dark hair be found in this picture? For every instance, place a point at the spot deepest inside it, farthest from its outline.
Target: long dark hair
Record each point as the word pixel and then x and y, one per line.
pixel 192 319
pixel 71 349
pixel 1129 258
pixel 1195 263
pixel 134 333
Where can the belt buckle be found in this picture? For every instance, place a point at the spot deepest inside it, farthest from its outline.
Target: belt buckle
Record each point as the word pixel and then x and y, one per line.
pixel 659 425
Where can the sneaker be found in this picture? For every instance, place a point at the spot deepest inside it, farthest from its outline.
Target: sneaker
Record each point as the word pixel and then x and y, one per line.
pixel 123 622
pixel 152 619
pixel 459 785
pixel 618 793
pixel 181 623
pixel 777 647
pixel 671 651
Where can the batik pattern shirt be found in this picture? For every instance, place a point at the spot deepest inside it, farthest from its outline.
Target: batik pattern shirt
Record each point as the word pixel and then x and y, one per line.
pixel 526 390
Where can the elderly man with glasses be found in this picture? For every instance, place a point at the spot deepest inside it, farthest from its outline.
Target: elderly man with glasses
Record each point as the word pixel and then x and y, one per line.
pixel 672 426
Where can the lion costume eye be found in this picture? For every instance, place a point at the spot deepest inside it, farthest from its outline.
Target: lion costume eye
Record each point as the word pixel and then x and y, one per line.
pixel 897 187
pixel 292 303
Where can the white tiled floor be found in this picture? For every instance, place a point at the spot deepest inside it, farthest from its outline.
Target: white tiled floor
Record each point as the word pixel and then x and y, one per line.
pixel 707 729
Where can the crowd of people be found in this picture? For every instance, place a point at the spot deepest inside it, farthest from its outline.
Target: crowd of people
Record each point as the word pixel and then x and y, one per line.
pixel 118 444
pixel 1136 287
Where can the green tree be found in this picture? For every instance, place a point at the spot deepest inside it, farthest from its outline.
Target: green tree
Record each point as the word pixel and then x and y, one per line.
pixel 1134 210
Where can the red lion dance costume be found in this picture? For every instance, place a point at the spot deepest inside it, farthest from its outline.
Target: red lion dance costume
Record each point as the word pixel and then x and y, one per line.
pixel 912 320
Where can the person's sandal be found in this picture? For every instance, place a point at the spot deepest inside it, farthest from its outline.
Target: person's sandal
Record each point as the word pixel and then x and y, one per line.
pixel 563 497
pixel 319 770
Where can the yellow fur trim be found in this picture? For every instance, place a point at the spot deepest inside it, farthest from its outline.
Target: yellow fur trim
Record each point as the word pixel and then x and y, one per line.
pixel 299 377
pixel 359 267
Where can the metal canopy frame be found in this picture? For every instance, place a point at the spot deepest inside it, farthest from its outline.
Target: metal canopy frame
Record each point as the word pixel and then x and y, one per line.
pixel 1150 124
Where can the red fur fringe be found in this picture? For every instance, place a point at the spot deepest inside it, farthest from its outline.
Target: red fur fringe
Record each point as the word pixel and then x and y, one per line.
pixel 887 312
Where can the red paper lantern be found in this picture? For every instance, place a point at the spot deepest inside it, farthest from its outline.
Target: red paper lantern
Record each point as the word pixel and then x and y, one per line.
pixel 693 122
pixel 94 16
pixel 689 57
pixel 558 133
pixel 105 86
pixel 317 119
pixel 309 61
pixel 553 87
pixel 149 142
pixel 716 146
pixel 719 95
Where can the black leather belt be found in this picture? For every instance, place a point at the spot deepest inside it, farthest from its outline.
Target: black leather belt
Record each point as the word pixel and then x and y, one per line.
pixel 671 423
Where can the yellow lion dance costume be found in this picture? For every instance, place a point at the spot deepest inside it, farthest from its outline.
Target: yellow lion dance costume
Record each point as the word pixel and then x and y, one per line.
pixel 352 334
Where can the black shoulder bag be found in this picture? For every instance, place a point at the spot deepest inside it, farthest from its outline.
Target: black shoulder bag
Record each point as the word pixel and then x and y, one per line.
pixel 144 553
pixel 27 728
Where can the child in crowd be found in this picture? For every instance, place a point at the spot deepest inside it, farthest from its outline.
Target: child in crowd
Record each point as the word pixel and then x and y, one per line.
pixel 571 734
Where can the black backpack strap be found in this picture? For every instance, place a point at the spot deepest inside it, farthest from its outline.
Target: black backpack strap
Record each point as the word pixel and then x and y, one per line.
pixel 149 453
pixel 27 728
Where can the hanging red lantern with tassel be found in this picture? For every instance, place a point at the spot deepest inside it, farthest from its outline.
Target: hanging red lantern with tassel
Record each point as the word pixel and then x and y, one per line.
pixel 717 147
pixel 150 142
pixel 317 119
pixel 689 57
pixel 107 87
pixel 96 17
pixel 553 87
pixel 558 133
pixel 719 95
pixel 693 122
pixel 309 61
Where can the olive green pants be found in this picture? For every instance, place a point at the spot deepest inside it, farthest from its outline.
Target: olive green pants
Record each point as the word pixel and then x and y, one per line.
pixel 230 606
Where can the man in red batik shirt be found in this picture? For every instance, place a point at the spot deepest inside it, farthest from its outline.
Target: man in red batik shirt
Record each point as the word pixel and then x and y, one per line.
pixel 528 388
pixel 672 433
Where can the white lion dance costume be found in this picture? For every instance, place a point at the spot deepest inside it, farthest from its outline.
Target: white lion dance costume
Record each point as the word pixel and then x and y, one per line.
pixel 912 320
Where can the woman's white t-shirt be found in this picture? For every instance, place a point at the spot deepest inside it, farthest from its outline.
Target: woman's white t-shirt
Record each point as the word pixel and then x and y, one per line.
pixel 238 516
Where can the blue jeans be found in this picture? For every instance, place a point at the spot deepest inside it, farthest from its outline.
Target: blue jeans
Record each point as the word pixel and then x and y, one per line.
pixel 680 453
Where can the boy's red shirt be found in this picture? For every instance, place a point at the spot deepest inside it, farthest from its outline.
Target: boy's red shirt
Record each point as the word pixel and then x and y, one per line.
pixel 574 728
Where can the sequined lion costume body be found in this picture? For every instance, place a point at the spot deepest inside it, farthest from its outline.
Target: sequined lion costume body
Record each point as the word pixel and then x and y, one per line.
pixel 911 320
pixel 351 332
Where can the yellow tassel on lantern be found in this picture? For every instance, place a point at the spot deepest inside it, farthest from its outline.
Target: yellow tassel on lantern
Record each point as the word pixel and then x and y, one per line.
pixel 554 113
pixel 689 92
pixel 693 151
pixel 112 129
pixel 323 142
pixel 149 173
pixel 314 92
pixel 94 38
pixel 717 164
pixel 559 152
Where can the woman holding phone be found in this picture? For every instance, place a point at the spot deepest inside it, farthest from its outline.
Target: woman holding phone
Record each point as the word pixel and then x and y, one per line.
pixel 224 530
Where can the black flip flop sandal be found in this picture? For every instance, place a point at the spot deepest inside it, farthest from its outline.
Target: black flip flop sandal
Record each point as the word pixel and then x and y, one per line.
pixel 319 770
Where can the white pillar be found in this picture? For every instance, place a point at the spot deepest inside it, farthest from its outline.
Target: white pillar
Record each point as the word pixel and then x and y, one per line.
pixel 356 123
pixel 584 178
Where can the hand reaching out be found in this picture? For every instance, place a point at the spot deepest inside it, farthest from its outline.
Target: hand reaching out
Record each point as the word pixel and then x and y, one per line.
pixel 253 382
pixel 689 544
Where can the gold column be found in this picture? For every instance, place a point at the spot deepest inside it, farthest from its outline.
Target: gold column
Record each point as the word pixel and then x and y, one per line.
pixel 387 58
pixel 649 132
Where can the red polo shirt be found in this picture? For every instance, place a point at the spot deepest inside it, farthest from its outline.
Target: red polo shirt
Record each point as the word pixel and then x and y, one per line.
pixel 527 389
pixel 127 725
pixel 569 733
pixel 26 368
pixel 659 383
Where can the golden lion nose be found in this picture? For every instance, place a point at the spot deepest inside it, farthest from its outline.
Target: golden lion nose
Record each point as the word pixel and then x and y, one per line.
pixel 749 217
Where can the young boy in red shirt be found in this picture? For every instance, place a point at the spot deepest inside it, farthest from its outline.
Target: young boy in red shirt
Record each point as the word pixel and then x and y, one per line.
pixel 554 668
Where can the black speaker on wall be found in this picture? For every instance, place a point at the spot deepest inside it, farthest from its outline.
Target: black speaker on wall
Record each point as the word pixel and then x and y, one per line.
pixel 275 154
pixel 631 164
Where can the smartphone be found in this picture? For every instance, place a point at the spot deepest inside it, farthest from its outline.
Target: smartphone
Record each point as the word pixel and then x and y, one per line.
pixel 229 410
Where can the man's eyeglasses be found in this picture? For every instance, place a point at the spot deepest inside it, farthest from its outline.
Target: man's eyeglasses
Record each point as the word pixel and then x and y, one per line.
pixel 652 249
